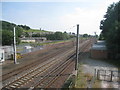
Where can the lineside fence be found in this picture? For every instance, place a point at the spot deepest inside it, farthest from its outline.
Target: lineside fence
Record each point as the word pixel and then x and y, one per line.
pixel 108 75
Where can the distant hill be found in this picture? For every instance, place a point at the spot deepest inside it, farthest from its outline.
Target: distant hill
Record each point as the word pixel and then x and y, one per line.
pixel 25 31
pixel 21 31
pixel 9 26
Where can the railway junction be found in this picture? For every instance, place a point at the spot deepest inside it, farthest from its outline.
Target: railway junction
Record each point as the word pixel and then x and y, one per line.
pixel 47 68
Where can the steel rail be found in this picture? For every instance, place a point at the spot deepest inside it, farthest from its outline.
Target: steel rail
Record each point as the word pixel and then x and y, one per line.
pixel 42 82
pixel 25 78
pixel 33 64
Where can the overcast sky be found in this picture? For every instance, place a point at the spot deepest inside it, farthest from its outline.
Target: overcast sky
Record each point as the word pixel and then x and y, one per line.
pixel 57 15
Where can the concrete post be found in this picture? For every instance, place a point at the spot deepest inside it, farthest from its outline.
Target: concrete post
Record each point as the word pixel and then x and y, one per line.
pixel 77 48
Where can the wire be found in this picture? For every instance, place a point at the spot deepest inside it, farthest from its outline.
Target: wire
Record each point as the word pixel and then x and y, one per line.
pixel 71 27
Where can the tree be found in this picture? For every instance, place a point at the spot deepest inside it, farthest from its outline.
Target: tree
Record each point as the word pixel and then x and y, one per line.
pixel 9 27
pixel 101 36
pixel 24 27
pixel 110 27
pixel 19 31
pixel 7 38
pixel 85 35
pixel 58 36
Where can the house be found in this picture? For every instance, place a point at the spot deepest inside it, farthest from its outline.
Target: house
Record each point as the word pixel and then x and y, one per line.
pixel 99 50
pixel 41 33
pixel 26 39
pixel 33 39
pixel 40 39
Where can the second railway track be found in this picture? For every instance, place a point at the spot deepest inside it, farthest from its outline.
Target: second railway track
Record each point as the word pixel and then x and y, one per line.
pixel 44 75
pixel 20 81
pixel 32 65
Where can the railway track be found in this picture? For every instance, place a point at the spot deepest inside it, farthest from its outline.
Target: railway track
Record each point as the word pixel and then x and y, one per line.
pixel 60 64
pixel 54 83
pixel 49 79
pixel 31 65
pixel 53 75
pixel 36 71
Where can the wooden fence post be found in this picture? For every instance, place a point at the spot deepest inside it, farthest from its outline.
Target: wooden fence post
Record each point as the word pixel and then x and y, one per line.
pixel 98 74
pixel 95 73
pixel 111 76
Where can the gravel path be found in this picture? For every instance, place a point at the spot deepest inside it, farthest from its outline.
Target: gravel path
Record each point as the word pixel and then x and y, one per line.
pixel 89 66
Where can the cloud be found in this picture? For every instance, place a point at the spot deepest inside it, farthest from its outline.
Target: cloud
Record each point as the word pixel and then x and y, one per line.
pixel 88 20
pixel 88 15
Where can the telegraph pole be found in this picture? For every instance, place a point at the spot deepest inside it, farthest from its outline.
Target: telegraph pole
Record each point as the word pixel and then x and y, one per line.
pixel 77 48
pixel 14 46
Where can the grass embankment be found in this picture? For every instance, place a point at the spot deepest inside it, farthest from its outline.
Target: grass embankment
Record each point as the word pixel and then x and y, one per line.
pixel 81 81
pixel 46 43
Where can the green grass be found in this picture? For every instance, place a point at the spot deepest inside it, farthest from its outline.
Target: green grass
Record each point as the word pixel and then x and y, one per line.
pixel 81 80
pixel 20 49
pixel 46 43
pixel 67 83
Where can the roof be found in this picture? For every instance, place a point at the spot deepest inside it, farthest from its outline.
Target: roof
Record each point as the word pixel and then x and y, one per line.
pixel 100 45
pixel 32 38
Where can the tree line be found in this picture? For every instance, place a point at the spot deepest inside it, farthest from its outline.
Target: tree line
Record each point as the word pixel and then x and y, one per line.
pixel 55 36
pixel 7 33
pixel 110 27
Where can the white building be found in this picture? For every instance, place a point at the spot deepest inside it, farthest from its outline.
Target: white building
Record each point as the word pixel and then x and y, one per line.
pixel 33 39
pixel 5 52
pixel 2 57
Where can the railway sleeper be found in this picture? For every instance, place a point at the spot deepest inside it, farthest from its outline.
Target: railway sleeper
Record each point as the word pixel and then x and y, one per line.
pixel 12 86
pixel 25 79
pixel 19 83
pixel 16 84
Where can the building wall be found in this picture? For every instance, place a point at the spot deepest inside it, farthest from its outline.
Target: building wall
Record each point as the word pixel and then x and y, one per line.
pixel 8 51
pixel 27 40
pixel 33 39
pixel 99 54
pixel 2 55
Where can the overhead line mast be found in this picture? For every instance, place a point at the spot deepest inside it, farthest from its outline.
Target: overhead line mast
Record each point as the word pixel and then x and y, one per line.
pixel 77 48
pixel 14 47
